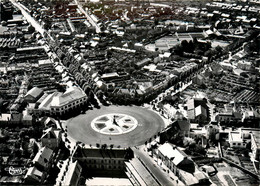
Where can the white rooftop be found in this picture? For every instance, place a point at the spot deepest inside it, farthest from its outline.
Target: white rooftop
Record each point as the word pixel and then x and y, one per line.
pixel 170 152
pixel 44 62
pixel 235 136
pixel 72 93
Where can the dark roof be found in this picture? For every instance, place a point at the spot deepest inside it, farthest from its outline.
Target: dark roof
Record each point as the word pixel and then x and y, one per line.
pixel 125 91
pixel 237 115
pixel 101 153
pixel 184 125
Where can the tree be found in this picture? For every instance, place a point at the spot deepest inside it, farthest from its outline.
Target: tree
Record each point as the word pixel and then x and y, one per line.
pixel 195 148
pixel 191 47
pixel 87 89
pixel 178 49
pixel 208 53
pixel 184 44
pixel 91 95
pixel 219 50
pixel 104 146
pixel 188 141
pixel 212 134
pixel 16 153
pixel 177 139
pixel 31 132
pixel 22 134
pixel 31 29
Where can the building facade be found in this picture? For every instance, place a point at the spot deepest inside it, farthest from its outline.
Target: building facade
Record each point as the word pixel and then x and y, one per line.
pixel 255 147
pixel 51 138
pixel 58 103
pixel 96 159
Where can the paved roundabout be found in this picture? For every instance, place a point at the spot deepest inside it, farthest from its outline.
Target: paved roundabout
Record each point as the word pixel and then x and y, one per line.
pixel 123 126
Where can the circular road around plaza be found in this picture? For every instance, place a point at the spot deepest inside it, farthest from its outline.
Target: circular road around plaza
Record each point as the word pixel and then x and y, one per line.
pixel 149 124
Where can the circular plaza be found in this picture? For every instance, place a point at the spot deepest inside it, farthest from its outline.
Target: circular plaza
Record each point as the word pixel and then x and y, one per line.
pixel 120 126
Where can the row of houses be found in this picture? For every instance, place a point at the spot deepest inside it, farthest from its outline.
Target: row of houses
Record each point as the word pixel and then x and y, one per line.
pixel 241 139
pixel 176 161
pixel 43 161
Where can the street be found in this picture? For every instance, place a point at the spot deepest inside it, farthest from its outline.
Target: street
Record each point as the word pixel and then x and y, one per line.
pixel 162 177
pixel 28 17
pixel 92 22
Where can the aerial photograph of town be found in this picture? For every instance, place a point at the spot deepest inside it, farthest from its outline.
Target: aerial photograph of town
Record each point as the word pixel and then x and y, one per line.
pixel 130 92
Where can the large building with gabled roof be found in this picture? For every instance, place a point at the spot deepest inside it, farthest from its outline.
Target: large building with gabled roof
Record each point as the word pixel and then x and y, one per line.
pixel 175 159
pixel 58 103
pixel 43 158
pixel 181 165
pixel 33 95
pixel 197 110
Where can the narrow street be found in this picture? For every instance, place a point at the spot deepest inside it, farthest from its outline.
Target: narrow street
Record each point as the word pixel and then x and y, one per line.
pixel 29 18
pixel 92 22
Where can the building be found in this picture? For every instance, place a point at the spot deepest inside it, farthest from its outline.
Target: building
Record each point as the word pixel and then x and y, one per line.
pixel 183 127
pixel 178 127
pixel 171 112
pixel 33 95
pixel 10 119
pixel 43 158
pixel 6 11
pixel 63 102
pixel 143 62
pixel 255 146
pixel 45 62
pixel 251 117
pixel 73 174
pixel 228 116
pixel 199 80
pixel 200 113
pixel 197 110
pixel 28 120
pixel 110 76
pixel 49 122
pixel 95 159
pixel 51 138
pixel 181 165
pixel 236 140
pixel 244 65
pixel 175 159
pixel 59 103
pixel 33 175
